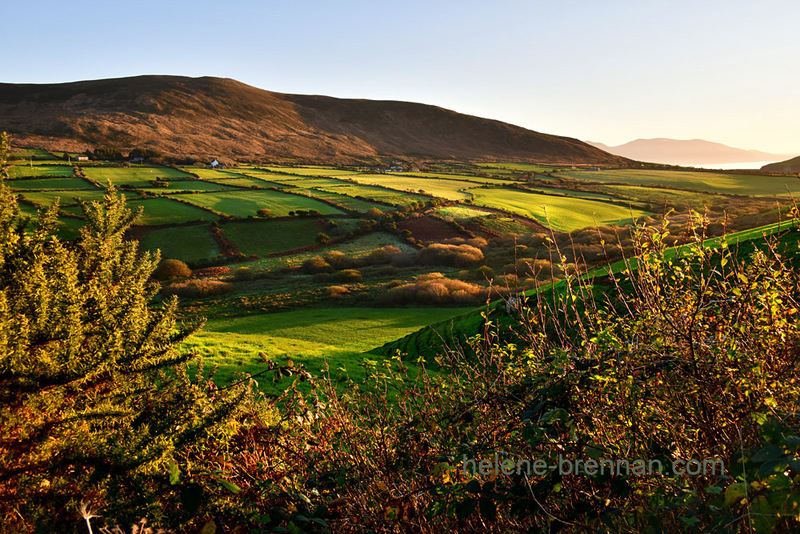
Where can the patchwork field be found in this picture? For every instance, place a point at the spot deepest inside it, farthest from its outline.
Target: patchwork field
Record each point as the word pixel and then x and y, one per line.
pixel 245 203
pixel 22 171
pixel 185 243
pixel 338 315
pixel 562 213
pixel 714 182
pixel 450 189
pixel 34 184
pixel 266 237
pixel 135 176
pixel 167 211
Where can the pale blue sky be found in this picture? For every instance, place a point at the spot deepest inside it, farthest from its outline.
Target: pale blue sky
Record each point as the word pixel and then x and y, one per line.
pixel 599 70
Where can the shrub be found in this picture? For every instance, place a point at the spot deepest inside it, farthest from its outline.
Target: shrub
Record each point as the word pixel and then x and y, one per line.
pixel 171 269
pixel 484 272
pixel 196 289
pixel 316 265
pixel 382 255
pixel 347 275
pixel 243 274
pixel 451 255
pixel 337 291
pixel 265 213
pixel 96 405
pixel 323 238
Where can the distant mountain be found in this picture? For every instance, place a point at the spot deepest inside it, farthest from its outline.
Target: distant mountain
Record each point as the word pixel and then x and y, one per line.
pixel 791 165
pixel 692 152
pixel 224 118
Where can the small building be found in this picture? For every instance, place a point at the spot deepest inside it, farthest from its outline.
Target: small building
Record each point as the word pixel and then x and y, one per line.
pixel 83 158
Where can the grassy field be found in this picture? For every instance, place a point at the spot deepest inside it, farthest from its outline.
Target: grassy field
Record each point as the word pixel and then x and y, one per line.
pixel 450 189
pixel 657 195
pixel 266 237
pixel 358 247
pixel 395 198
pixel 348 202
pixel 22 171
pixel 185 243
pixel 311 337
pixel 35 184
pixel 307 171
pixel 46 197
pixel 168 211
pixel 519 167
pixel 247 202
pixel 457 176
pixel 714 182
pixel 138 176
pixel 563 213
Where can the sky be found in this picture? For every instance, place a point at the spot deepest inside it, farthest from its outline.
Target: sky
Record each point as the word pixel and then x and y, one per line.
pixel 599 70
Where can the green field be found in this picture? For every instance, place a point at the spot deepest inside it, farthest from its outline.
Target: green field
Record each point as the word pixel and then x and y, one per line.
pixel 132 176
pixel 519 167
pixel 450 189
pixel 185 243
pixel 562 213
pixel 35 184
pixel 45 197
pixel 22 171
pixel 657 195
pixel 266 237
pixel 247 202
pixel 714 182
pixel 308 171
pixel 463 177
pixel 168 211
pixel 395 198
pixel 358 247
pixel 339 336
pixel 348 202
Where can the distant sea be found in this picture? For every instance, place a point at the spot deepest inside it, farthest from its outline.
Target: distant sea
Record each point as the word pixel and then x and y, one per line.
pixel 727 166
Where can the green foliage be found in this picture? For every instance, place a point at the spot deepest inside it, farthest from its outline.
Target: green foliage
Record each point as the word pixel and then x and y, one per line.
pixel 691 356
pixel 107 153
pixel 322 238
pixel 5 151
pixel 94 400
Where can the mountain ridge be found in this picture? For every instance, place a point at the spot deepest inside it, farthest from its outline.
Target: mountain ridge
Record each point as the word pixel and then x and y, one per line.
pixel 220 117
pixel 686 152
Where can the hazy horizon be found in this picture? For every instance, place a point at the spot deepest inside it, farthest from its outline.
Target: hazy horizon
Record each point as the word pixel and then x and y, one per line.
pixel 609 72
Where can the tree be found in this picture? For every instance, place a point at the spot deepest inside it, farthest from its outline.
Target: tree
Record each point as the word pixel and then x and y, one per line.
pixel 96 404
pixel 323 238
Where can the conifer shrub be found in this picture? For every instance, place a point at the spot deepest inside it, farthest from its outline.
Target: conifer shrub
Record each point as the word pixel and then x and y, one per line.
pixel 96 406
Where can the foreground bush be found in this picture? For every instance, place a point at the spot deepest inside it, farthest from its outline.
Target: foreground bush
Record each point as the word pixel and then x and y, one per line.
pixel 693 358
pixel 96 407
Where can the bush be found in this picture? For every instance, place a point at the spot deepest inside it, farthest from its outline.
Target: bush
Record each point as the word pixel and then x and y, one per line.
pixel 243 274
pixel 172 269
pixel 337 291
pixel 316 265
pixel 264 213
pixel 197 289
pixel 323 238
pixel 484 272
pixel 450 255
pixel 382 255
pixel 347 275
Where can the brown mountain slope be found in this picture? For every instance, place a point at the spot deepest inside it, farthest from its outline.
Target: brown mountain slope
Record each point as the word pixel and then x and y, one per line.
pixel 205 117
pixel 791 165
